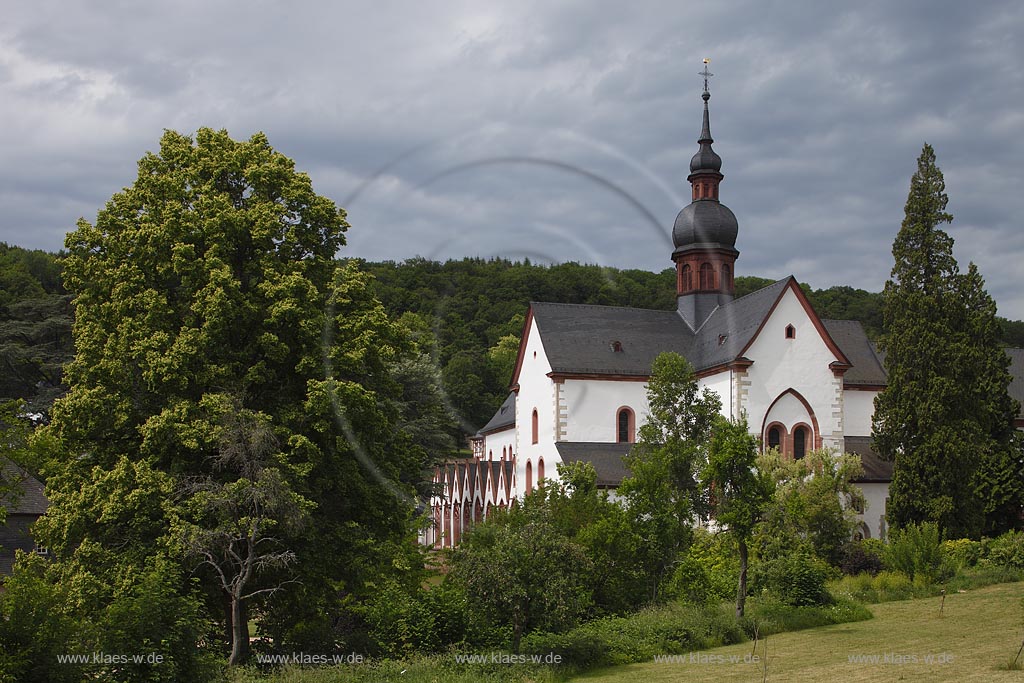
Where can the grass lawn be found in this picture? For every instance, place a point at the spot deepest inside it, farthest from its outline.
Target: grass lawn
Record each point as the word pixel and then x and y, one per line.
pixel 980 632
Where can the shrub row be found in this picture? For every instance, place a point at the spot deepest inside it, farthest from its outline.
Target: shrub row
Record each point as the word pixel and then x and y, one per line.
pixel 679 629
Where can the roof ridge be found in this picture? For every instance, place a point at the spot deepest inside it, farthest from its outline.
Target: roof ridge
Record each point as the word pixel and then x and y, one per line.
pixel 842 320
pixel 758 291
pixel 621 308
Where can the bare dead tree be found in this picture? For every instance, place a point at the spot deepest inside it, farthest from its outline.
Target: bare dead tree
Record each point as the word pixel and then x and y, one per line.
pixel 239 528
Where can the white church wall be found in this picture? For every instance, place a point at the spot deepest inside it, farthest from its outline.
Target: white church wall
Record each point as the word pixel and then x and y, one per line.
pixel 720 384
pixel 801 363
pixel 496 441
pixel 536 392
pixel 859 407
pixel 789 411
pixel 873 516
pixel 591 407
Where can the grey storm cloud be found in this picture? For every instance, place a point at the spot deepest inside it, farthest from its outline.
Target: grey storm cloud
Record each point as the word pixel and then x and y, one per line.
pixel 551 130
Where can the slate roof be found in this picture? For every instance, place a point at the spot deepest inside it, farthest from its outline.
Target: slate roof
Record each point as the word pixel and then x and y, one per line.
pixel 876 470
pixel 505 417
pixel 578 338
pixel 605 457
pixel 32 500
pixel 737 321
pixel 867 367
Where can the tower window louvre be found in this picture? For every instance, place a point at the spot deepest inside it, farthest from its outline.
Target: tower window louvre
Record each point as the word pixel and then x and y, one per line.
pixel 707 276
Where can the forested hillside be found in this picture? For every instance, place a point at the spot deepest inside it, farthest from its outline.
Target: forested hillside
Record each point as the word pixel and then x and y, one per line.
pixel 467 313
pixel 472 312
pixel 35 327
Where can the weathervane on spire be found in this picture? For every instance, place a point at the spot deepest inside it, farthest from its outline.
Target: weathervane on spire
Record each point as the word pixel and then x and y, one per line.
pixel 706 74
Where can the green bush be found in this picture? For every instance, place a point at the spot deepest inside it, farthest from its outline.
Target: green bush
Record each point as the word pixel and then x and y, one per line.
pixel 797 579
pixel 771 615
pixel 576 648
pixel 895 585
pixel 914 551
pixel 1006 550
pixel 670 629
pixel 862 556
pixel 709 571
pixel 962 553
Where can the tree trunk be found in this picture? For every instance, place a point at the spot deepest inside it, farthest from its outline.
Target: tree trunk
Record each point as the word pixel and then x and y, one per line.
pixel 517 635
pixel 239 633
pixel 741 590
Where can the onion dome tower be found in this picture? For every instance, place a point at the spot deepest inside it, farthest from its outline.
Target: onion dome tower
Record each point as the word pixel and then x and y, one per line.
pixel 704 234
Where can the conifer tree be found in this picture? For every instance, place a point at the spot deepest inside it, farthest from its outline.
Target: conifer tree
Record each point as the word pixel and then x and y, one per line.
pixel 944 416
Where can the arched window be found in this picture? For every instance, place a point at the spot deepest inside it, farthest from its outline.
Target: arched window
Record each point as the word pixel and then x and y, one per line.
pixel 456 524
pixel 790 332
pixel 687 278
pixel 529 476
pixel 799 443
pixel 533 425
pixel 503 453
pixel 774 437
pixel 540 472
pixel 625 426
pixel 707 277
pixel 726 276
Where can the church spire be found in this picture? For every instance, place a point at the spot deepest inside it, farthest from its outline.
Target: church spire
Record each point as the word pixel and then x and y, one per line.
pixel 704 234
pixel 705 131
pixel 705 164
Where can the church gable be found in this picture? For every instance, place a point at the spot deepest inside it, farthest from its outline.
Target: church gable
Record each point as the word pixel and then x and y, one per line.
pixel 793 316
pixel 795 376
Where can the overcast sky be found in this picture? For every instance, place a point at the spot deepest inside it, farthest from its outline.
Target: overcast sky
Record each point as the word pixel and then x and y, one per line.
pixel 550 130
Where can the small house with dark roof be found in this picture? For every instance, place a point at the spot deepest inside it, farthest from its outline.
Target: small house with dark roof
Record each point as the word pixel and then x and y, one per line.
pixel 578 391
pixel 24 506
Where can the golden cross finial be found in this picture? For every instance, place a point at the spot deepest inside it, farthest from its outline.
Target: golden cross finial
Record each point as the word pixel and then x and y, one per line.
pixel 705 73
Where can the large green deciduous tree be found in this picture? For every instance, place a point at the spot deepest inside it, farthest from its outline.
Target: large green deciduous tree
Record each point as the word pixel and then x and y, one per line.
pixel 207 288
pixel 665 464
pixel 945 418
pixel 739 490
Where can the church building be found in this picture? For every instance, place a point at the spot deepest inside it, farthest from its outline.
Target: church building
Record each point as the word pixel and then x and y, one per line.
pixel 578 392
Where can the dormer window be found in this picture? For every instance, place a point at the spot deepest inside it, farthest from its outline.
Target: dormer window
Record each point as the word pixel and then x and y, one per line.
pixel 722 338
pixel 790 332
pixel 616 346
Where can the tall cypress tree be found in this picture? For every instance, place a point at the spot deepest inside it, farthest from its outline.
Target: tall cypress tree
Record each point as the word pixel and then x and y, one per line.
pixel 999 481
pixel 945 418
